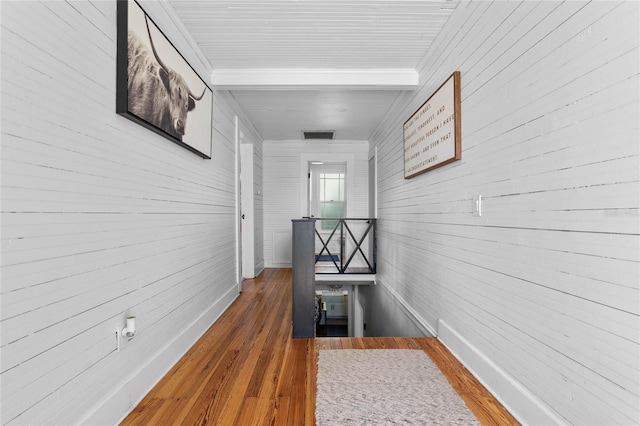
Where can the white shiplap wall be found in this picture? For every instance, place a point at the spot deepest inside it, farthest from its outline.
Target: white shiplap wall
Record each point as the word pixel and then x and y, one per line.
pixel 101 219
pixel 540 295
pixel 281 180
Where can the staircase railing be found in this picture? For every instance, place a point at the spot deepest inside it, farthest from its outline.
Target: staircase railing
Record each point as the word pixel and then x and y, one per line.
pixel 355 239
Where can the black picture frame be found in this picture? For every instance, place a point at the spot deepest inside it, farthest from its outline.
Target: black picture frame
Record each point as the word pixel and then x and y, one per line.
pixel 156 87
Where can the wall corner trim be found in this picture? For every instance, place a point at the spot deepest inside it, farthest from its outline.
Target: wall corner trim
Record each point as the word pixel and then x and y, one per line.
pixel 518 400
pixel 120 403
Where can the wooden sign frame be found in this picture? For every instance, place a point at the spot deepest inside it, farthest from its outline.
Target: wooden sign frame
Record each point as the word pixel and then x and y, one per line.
pixel 432 135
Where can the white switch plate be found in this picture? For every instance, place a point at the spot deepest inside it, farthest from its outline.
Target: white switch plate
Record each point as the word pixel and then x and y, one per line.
pixel 477 205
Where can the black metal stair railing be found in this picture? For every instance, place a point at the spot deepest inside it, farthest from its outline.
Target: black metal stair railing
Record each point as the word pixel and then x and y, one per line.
pixel 350 242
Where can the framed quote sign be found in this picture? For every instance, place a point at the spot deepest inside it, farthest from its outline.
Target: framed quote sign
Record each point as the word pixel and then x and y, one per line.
pixel 432 135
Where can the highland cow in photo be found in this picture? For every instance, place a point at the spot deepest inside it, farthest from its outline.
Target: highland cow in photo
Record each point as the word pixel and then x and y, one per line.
pixel 156 93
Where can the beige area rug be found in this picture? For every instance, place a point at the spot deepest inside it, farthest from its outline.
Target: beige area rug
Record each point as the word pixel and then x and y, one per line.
pixel 385 387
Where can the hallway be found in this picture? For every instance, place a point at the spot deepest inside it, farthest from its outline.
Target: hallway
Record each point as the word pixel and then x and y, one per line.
pixel 523 256
pixel 246 370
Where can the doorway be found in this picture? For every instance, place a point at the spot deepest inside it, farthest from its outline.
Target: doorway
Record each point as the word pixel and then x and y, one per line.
pixel 333 315
pixel 247 213
pixel 305 164
pixel 327 191
pixel 327 198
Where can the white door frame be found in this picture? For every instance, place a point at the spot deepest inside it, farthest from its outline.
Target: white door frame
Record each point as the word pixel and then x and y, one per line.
pixel 305 159
pixel 315 171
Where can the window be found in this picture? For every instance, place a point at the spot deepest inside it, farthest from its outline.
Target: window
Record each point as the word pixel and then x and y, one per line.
pixel 331 197
pixel 327 192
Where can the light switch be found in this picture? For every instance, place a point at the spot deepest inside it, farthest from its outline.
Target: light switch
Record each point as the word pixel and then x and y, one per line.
pixel 477 205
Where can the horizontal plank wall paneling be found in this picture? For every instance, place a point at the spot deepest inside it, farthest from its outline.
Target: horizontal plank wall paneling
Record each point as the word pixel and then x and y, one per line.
pixel 101 219
pixel 282 195
pixel 540 295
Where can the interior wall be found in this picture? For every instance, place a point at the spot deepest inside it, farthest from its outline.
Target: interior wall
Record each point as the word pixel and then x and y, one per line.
pixel 539 296
pixel 386 316
pixel 101 219
pixel 282 195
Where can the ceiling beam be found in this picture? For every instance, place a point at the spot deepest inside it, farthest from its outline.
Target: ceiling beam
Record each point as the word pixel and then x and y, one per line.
pixel 314 79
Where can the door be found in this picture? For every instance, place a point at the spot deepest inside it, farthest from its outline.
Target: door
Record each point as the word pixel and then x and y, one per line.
pixel 238 208
pixel 247 209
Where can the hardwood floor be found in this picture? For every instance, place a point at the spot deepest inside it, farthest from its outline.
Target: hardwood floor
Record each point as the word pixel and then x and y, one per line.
pixel 246 370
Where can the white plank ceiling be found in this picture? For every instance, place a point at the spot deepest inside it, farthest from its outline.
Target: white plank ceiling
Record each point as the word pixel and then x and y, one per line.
pixel 297 65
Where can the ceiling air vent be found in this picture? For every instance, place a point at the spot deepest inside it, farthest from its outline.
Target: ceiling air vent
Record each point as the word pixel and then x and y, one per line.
pixel 318 134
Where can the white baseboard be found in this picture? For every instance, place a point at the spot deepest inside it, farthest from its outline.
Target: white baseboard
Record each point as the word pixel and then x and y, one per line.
pixel 268 264
pixel 122 401
pixel 521 403
pixel 258 270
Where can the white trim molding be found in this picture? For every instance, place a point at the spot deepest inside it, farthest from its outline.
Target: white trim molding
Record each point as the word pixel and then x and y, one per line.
pixel 518 400
pixel 314 79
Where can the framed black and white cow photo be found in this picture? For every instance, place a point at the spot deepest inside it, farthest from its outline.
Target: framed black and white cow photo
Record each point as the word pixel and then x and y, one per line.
pixel 156 87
